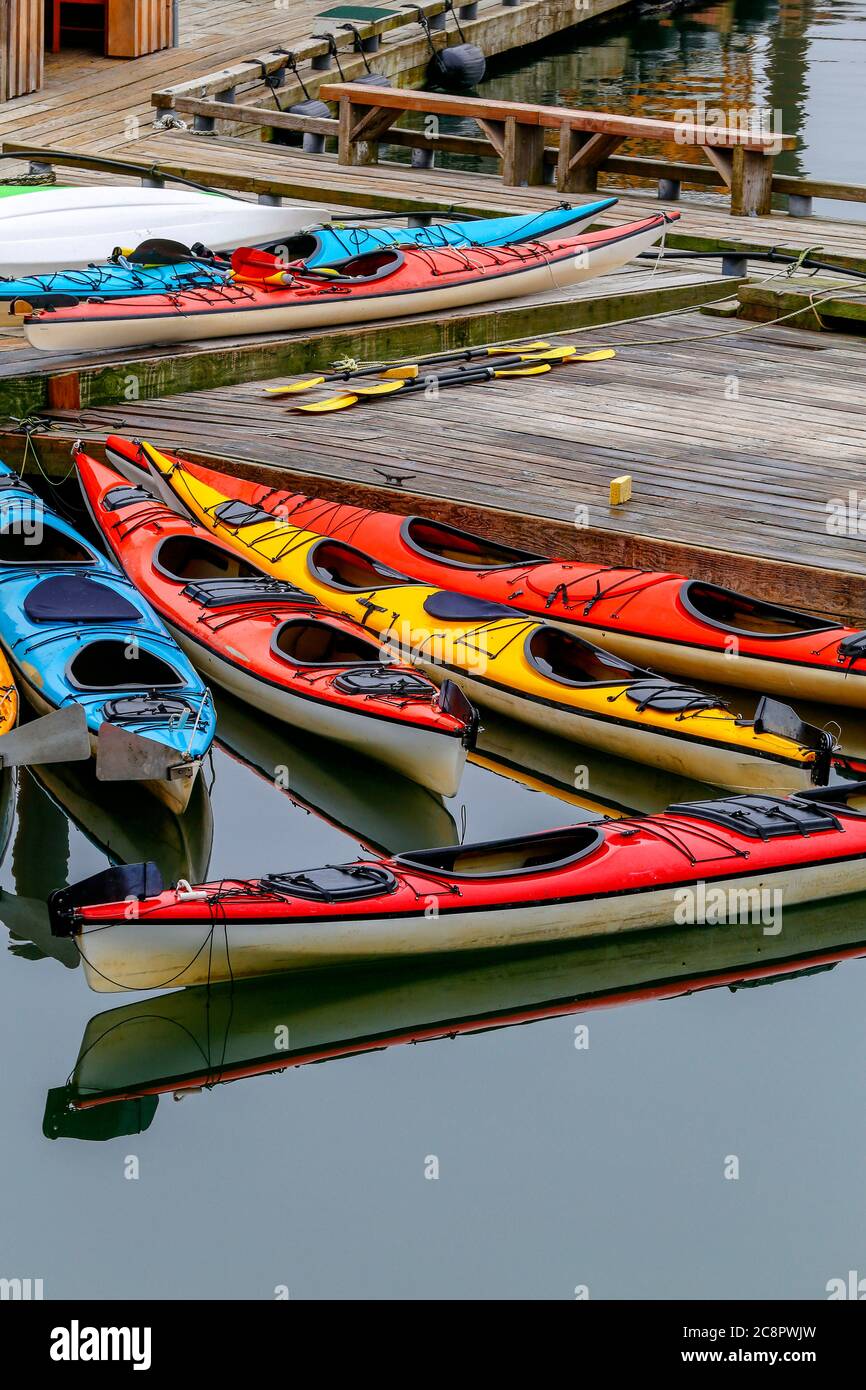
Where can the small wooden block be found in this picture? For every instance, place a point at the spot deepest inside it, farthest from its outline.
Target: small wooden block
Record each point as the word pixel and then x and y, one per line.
pixel 620 490
pixel 64 391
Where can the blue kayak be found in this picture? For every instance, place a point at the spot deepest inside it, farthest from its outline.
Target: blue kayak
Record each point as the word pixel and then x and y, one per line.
pixel 124 278
pixel 328 245
pixel 118 279
pixel 76 631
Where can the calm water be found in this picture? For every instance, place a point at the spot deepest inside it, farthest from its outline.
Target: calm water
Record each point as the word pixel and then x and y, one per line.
pixel 599 1165
pixel 802 60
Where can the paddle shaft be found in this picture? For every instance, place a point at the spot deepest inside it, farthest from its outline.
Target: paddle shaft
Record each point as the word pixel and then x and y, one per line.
pixel 519 365
pixel 465 355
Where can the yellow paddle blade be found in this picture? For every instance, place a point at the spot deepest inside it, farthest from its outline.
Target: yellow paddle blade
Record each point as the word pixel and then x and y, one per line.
pixel 519 347
pixel 600 355
pixel 524 371
pixel 560 354
pixel 295 386
pixel 323 407
pixel 379 388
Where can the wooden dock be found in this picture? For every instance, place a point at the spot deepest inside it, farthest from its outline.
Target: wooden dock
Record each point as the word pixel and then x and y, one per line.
pixel 738 438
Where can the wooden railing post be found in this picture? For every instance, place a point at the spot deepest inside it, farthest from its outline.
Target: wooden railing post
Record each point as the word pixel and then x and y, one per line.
pixel 751 182
pixel 522 154
pixel 581 155
pixel 351 150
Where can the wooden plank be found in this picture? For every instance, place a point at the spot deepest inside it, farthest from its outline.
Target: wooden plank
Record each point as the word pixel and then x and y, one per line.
pixel 22 48
pixel 598 122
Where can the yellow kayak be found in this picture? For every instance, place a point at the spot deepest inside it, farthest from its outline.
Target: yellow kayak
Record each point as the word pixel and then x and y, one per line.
pixel 528 670
pixel 8 698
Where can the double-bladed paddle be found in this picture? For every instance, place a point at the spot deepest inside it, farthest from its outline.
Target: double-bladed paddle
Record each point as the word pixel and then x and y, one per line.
pixel 465 355
pixel 519 366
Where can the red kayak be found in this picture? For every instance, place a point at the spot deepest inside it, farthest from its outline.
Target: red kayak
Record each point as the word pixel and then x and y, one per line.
pixel 382 284
pixel 659 620
pixel 704 862
pixel 274 646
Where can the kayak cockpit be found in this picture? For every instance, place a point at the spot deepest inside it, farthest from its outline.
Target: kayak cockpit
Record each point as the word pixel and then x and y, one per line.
pixel 437 541
pixel 570 661
pixel 372 265
pixel 300 247
pixel 32 540
pixel 346 568
pixel 182 558
pixel 751 617
pixel 111 664
pixel 526 854
pixel 304 642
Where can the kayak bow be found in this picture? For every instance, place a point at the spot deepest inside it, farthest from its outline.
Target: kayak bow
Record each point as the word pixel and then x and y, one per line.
pixel 273 645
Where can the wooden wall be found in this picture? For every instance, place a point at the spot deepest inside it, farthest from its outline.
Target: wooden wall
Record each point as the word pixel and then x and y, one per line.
pixel 136 27
pixel 22 47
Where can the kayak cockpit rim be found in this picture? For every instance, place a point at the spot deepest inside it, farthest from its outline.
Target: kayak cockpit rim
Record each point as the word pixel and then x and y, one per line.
pixel 542 852
pixel 105 665
pixel 320 641
pixel 568 660
pixel 436 540
pixel 729 610
pixel 188 557
pixel 44 544
pixel 344 567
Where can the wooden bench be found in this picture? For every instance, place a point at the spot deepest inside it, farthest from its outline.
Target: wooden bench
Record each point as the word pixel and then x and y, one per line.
pixel 516 130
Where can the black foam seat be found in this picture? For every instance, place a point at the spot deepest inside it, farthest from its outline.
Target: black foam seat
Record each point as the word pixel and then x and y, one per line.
pixel 461 608
pixel 77 598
